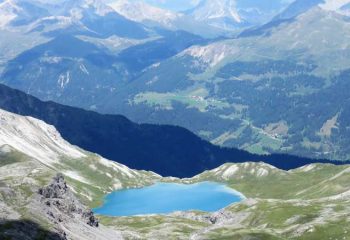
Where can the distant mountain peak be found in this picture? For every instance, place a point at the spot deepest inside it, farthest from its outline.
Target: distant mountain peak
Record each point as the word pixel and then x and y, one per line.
pixel 236 14
pixel 25 11
pixel 301 6
pixel 8 12
pixel 140 11
pixel 90 17
pixel 214 9
pixel 69 7
pixel 18 12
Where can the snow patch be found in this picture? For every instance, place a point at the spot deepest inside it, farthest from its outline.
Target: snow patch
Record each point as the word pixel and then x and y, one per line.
pixel 5 19
pixel 139 11
pixel 64 79
pixel 8 12
pixel 214 9
pixel 98 7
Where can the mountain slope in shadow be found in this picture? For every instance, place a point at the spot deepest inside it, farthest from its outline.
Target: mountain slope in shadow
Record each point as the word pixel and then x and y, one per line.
pixel 26 230
pixel 166 150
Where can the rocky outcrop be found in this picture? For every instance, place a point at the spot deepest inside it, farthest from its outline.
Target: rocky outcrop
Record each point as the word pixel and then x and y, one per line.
pixel 60 203
pixel 221 217
pixel 91 219
pixel 57 189
pixel 58 207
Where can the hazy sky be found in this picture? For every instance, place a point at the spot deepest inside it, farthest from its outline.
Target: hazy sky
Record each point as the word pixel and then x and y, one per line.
pixel 177 5
pixel 181 5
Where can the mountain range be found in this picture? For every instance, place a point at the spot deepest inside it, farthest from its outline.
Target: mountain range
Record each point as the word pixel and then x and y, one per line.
pixel 102 98
pixel 222 15
pixel 278 89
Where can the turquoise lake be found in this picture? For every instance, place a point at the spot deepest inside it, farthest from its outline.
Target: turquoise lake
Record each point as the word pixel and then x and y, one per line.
pixel 163 198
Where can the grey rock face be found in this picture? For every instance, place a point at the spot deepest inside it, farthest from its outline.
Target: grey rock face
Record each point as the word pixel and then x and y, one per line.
pixel 91 219
pixel 57 189
pixel 221 217
pixel 60 203
pixel 66 215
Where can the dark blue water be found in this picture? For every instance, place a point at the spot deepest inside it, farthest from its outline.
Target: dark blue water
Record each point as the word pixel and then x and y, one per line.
pixel 164 198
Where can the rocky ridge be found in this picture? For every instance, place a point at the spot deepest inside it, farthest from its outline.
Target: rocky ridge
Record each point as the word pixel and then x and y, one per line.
pixel 60 203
